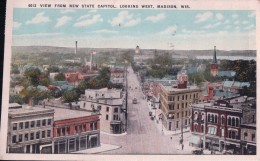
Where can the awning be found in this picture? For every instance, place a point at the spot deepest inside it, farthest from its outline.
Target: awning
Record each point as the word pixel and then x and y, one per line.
pixel 195 140
pixel 92 136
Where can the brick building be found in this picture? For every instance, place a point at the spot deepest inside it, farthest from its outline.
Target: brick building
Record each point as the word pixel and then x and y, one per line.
pixel 75 130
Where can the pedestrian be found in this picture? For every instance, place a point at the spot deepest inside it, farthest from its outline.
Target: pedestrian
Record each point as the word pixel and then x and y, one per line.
pixel 182 146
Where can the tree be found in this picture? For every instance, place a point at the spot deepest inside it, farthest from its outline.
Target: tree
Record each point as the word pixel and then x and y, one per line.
pixel 53 69
pixel 32 74
pixel 16 99
pixel 70 96
pixel 59 77
pixel 45 82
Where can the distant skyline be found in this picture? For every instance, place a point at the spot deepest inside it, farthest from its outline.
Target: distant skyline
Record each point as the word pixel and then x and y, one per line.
pixel 150 29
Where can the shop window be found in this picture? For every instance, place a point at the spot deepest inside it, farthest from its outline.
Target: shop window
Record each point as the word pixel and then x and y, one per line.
pixel 14 126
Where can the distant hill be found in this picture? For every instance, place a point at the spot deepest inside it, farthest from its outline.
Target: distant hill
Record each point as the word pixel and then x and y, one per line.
pixel 66 50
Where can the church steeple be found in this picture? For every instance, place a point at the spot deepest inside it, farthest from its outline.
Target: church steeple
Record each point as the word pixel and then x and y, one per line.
pixel 214 64
pixel 214 60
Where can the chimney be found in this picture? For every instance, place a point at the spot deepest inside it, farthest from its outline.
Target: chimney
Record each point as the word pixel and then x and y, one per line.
pixel 76 47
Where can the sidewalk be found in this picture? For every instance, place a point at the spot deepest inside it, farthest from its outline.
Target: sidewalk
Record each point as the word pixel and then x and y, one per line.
pixel 101 148
pixel 122 134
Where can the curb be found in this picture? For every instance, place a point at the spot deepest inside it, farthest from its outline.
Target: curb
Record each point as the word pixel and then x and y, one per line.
pixel 107 150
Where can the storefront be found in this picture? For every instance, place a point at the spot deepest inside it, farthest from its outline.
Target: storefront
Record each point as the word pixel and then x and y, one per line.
pixel 115 127
pixel 212 144
pixel 196 141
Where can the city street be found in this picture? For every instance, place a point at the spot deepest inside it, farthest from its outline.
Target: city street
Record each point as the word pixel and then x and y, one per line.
pixel 143 137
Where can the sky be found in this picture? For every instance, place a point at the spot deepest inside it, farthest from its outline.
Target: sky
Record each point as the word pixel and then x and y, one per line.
pixel 150 29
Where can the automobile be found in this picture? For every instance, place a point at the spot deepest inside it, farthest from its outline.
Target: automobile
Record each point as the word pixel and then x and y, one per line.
pixel 150 113
pixel 152 117
pixel 134 101
pixel 197 152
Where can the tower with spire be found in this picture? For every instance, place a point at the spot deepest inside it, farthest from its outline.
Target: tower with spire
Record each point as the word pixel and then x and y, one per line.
pixel 214 64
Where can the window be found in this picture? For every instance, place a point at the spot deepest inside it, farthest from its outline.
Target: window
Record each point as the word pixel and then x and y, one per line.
pixel 107 109
pixel 216 119
pixel 14 126
pixel 195 116
pixel 63 131
pixel 182 114
pixel 58 132
pixel 182 97
pixel 48 133
pixel 32 124
pixel 212 130
pixel 44 122
pixel 202 128
pixel 253 137
pixel 222 120
pixel 115 110
pixel 202 116
pixel 233 121
pixel 186 113
pixel 91 126
pixel 229 121
pixel 237 122
pixel 186 122
pixel 14 139
pixel 232 134
pixel 177 115
pixel 212 118
pixel 178 98
pixel 49 121
pixel 26 125
pixel 106 117
pixel 37 135
pixel 186 96
pixel 32 136
pixel 21 125
pixel 20 139
pixel 68 130
pixel 26 137
pixel 182 105
pixel 84 105
pixel 38 123
pixel 186 105
pixel 245 135
pixel 115 117
pixel 222 132
pixel 208 117
pixel 43 134
pixel 177 124
pixel 95 126
pixel 178 106
pixel 76 130
pixel 196 128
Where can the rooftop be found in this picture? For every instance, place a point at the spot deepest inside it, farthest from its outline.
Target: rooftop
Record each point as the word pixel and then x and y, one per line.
pixel 172 89
pixel 66 113
pixel 29 110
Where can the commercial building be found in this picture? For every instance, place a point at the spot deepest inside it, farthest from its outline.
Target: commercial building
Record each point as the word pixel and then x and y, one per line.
pixel 29 129
pixel 74 130
pixel 176 100
pixel 110 103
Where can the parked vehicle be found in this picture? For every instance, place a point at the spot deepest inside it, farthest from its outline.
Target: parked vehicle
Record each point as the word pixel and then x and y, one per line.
pixel 197 152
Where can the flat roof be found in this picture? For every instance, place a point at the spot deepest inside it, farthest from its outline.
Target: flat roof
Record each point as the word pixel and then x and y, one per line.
pixel 66 113
pixel 28 109
pixel 171 89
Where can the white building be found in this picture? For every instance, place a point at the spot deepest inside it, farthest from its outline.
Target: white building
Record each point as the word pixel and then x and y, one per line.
pixel 111 105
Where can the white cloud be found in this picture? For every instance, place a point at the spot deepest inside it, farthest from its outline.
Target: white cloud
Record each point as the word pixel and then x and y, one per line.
pixel 234 16
pixel 38 34
pixel 155 18
pixel 67 11
pixel 90 21
pixel 16 25
pixel 125 19
pixel 227 22
pixel 83 17
pixel 236 22
pixel 39 18
pixel 252 14
pixel 249 27
pixel 169 30
pixel 106 31
pixel 203 17
pixel 228 27
pixel 92 11
pixel 212 25
pixel 219 16
pixel 237 28
pixel 245 22
pixel 62 21
pixel 192 31
pixel 132 22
